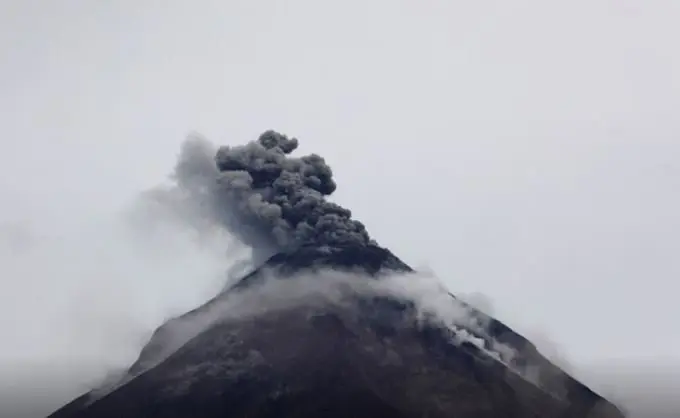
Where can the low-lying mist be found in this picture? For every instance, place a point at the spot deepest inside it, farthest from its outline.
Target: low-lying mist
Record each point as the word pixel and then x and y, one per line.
pixel 80 295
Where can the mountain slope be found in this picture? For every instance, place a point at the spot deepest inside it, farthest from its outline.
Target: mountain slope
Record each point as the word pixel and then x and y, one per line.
pixel 356 355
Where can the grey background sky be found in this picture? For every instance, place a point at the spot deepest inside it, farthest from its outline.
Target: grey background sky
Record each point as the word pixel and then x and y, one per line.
pixel 524 149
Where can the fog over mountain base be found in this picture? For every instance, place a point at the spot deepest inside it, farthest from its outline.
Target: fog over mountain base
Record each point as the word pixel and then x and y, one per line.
pixel 81 295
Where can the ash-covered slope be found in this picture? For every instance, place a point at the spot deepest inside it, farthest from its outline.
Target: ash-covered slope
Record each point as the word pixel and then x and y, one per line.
pixel 291 339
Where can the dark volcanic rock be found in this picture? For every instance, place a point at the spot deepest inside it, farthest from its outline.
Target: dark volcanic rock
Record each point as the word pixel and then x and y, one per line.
pixel 356 356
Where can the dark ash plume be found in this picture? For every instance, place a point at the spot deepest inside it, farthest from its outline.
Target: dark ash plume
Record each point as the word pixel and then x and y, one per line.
pixel 270 200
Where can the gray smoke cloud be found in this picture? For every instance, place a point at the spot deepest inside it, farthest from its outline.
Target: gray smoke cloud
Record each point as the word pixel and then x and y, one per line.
pixel 271 201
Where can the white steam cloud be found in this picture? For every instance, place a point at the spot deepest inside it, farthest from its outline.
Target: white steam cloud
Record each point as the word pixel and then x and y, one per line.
pixel 431 300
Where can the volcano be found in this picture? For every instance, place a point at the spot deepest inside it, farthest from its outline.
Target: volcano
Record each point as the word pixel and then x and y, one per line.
pixel 306 334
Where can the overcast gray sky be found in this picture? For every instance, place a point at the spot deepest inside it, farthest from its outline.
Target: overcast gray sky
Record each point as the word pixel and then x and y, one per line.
pixel 524 149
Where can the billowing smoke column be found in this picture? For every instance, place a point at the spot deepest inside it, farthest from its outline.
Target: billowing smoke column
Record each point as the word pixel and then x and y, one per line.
pixel 268 199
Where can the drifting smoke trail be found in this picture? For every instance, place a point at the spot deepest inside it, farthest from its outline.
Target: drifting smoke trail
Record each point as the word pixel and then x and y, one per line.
pixel 270 200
